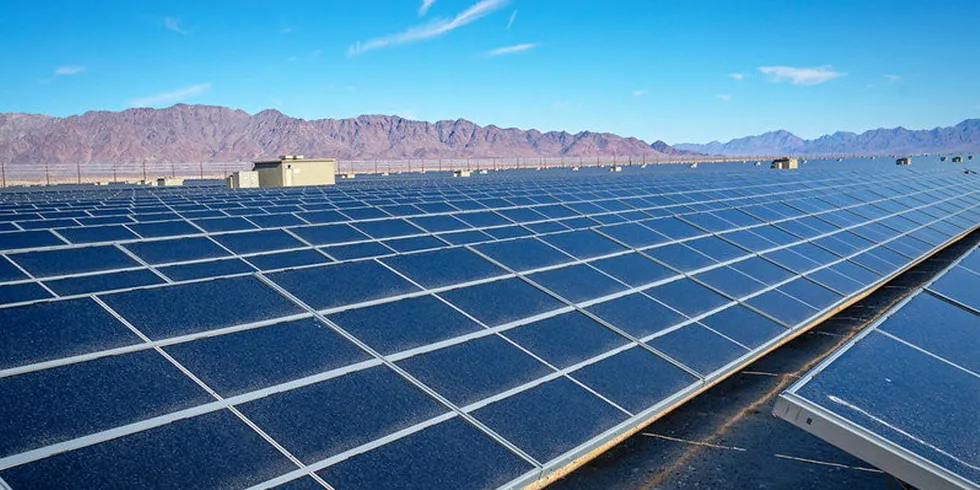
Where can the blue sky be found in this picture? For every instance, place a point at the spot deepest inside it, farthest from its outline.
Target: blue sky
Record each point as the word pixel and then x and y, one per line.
pixel 683 70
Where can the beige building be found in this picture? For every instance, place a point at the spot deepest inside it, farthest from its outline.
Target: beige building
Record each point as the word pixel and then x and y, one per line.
pixel 294 170
pixel 785 163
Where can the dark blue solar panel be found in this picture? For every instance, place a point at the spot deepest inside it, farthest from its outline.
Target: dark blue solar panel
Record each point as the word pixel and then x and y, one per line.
pixel 342 284
pixel 633 269
pixel 103 282
pixel 258 241
pixel 23 292
pixel 452 454
pixel 260 357
pixel 583 244
pixel 94 234
pixel 566 339
pixel 957 337
pixel 195 307
pixel 744 326
pixel 73 260
pixel 698 348
pixel 283 260
pixel 524 254
pixel 164 229
pixel 637 314
pixel 320 420
pixel 960 285
pixel 500 302
pixel 688 297
pixel 215 450
pixel 55 405
pixel 469 372
pixel 550 419
pixel 10 272
pixel 444 267
pixel 910 391
pixel 40 332
pixel 405 324
pixel 178 250
pixel 635 379
pixel 577 283
pixel 202 270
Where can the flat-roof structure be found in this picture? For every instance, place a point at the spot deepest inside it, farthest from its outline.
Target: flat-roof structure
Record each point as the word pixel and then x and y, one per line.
pixel 296 170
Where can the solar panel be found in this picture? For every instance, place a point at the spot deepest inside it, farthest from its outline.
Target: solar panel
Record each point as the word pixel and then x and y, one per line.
pixel 903 395
pixel 465 333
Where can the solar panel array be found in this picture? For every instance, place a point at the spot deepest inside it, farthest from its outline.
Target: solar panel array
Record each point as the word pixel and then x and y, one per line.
pixel 909 386
pixel 422 334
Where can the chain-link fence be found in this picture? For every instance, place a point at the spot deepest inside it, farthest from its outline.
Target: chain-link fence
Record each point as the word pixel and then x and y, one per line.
pixel 70 173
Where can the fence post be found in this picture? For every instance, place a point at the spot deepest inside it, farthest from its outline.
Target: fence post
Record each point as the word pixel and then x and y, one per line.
pixel 78 171
pixel 47 177
pixel 3 172
pixel 201 169
pixel 144 170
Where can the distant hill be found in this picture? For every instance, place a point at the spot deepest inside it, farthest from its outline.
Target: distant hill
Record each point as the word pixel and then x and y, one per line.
pixel 964 137
pixel 200 133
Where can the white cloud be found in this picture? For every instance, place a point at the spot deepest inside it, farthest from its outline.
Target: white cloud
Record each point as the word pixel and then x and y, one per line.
pixel 430 30
pixel 69 70
pixel 801 76
pixel 737 76
pixel 173 97
pixel 892 78
pixel 173 24
pixel 724 97
pixel 517 48
pixel 510 22
pixel 426 4
pixel 639 93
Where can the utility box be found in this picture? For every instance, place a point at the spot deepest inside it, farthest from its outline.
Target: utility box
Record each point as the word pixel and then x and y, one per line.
pixel 461 173
pixel 903 161
pixel 243 180
pixel 957 159
pixel 170 181
pixel 295 170
pixel 616 168
pixel 785 163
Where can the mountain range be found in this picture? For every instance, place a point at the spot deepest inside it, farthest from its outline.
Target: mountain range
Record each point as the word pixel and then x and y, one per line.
pixel 963 137
pixel 201 133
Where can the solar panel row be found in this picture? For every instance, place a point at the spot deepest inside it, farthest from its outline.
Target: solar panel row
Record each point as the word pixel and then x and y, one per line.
pixel 908 387
pixel 370 343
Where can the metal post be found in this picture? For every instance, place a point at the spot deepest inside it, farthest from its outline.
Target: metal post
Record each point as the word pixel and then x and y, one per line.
pixel 113 173
pixel 3 172
pixel 78 171
pixel 409 165
pixel 201 169
pixel 375 166
pixel 173 171
pixel 144 170
pixel 47 177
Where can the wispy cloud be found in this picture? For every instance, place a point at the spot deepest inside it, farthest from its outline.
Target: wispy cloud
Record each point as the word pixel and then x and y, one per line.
pixel 430 30
pixel 69 70
pixel 517 48
pixel 173 24
pixel 892 78
pixel 724 97
pixel 737 76
pixel 287 30
pixel 639 93
pixel 426 4
pixel 168 98
pixel 510 22
pixel 801 76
